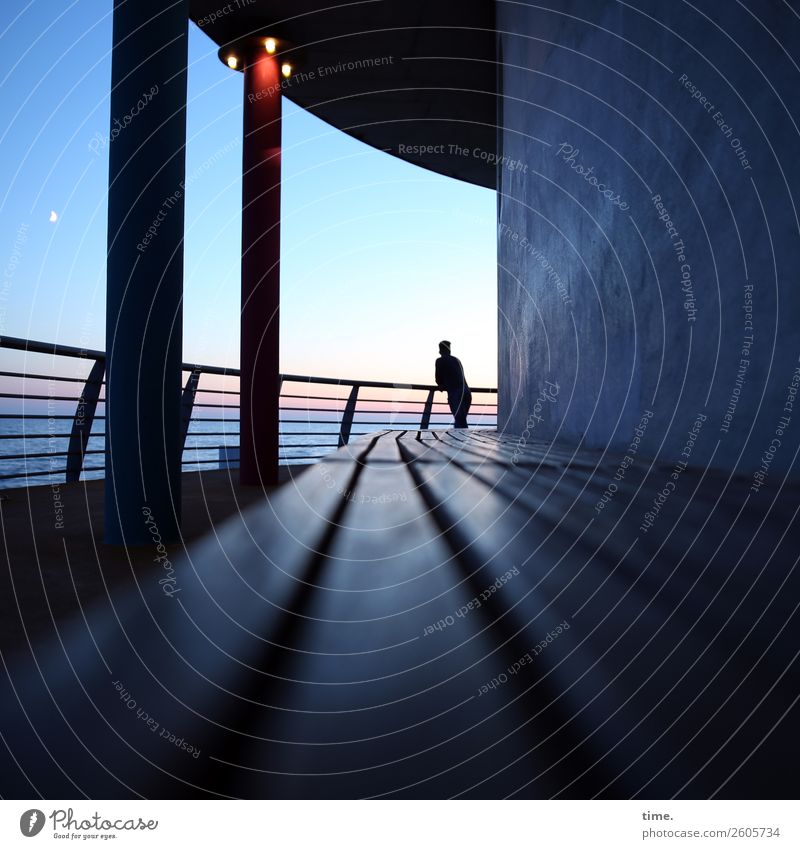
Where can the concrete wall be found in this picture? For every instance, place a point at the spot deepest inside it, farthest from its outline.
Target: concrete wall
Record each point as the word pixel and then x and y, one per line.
pixel 642 223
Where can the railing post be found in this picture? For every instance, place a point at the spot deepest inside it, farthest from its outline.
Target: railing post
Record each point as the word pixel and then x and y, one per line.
pixel 280 420
pixel 425 423
pixel 83 420
pixel 347 418
pixel 187 404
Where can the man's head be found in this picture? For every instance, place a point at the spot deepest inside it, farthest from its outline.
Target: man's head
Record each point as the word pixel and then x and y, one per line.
pixel 444 347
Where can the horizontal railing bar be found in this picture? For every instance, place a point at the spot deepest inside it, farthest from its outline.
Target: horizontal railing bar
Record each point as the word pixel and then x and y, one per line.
pixel 218 406
pixel 412 413
pixel 60 350
pixel 49 454
pixel 315 422
pixel 26 397
pixel 32 474
pixel 308 433
pixel 102 450
pixel 315 409
pixel 392 425
pixel 39 416
pixel 27 436
pixel 213 432
pixel 314 397
pixel 30 376
pixel 288 421
pixel 367 400
pixel 411 425
pixel 194 449
pixel 338 410
pixel 54 348
pixel 206 462
pixel 373 384
pixel 363 412
pixel 59 471
pixel 311 444
pixel 21 396
pixel 419 401
pixel 204 369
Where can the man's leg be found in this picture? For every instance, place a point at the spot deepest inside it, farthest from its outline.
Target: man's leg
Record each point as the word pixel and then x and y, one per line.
pixel 460 415
pixel 454 400
pixel 465 406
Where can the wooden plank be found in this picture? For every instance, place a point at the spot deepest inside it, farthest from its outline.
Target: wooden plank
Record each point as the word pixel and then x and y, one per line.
pixel 412 686
pixel 645 632
pixel 191 660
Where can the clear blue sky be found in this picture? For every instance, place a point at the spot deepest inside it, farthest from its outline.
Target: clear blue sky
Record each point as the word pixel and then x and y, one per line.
pixel 380 259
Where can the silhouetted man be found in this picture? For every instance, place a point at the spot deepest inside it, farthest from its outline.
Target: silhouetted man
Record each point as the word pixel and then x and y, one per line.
pixel 450 379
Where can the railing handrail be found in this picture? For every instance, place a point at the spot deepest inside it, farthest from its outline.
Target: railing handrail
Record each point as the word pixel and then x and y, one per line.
pixel 59 350
pixel 18 344
pixel 85 414
pixel 375 384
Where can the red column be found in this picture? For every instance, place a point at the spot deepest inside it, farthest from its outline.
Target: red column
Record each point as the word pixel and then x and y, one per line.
pixel 261 246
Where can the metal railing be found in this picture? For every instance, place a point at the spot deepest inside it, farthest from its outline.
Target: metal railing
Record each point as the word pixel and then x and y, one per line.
pixel 60 441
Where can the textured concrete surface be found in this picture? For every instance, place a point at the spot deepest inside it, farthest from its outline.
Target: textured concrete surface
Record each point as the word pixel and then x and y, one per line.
pixel 629 306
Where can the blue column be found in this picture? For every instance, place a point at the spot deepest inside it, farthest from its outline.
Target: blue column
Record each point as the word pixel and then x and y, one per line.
pixel 145 271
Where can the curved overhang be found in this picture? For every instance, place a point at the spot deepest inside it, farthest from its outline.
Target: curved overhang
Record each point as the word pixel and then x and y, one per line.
pixel 414 78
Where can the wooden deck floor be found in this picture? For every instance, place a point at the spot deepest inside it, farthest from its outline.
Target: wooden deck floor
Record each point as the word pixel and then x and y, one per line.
pixel 434 615
pixel 50 573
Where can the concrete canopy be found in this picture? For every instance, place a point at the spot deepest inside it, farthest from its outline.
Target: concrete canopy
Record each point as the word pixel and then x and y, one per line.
pixel 411 77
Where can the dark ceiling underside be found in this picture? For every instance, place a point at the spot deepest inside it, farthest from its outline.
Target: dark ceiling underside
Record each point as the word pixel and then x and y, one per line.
pixel 425 75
